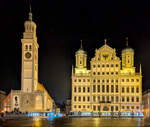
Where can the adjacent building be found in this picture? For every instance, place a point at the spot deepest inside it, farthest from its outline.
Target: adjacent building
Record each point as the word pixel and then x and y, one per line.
pixel 32 97
pixel 146 103
pixel 2 96
pixel 111 85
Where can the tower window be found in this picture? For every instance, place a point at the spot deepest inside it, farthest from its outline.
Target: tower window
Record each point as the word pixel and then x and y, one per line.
pixel 80 62
pixel 26 47
pixel 30 47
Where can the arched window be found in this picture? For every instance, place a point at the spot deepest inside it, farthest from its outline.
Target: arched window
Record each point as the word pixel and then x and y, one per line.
pixel 26 47
pixel 30 47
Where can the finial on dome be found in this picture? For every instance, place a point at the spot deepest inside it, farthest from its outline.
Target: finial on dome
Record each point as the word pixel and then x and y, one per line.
pixel 105 40
pixel 81 44
pixel 127 41
pixel 30 14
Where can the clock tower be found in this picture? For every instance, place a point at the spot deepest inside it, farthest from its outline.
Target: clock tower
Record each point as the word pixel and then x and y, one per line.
pixel 29 74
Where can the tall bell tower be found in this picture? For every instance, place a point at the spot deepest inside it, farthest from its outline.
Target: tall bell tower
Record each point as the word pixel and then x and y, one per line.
pixel 29 74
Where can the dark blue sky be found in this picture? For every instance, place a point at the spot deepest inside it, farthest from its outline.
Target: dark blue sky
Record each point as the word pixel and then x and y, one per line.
pixel 60 27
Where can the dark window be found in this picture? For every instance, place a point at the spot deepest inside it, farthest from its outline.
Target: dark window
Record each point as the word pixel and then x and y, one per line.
pixel 112 99
pixel 94 108
pixel 127 80
pixel 98 73
pixel 137 90
pixel 116 108
pixel 103 81
pixel 112 73
pixel 94 66
pixel 88 98
pixel 137 99
pixel 83 98
pixel 103 65
pixel 79 80
pixel 83 89
pixel 107 65
pixel 83 80
pixel 103 98
pixel 98 89
pixel 94 98
pixel 132 80
pixel 30 47
pixel 103 73
pixel 122 80
pixel 122 99
pixel 132 99
pixel 117 90
pixel 79 89
pixel 107 98
pixel 122 89
pixel 112 108
pixel 94 80
pixel 137 80
pixel 127 89
pixel 98 98
pixel 128 99
pixel 98 108
pixel 103 88
pixel 132 89
pixel 98 65
pixel 88 90
pixel 112 65
pixel 75 98
pixel 116 73
pixel 98 81
pixel 117 98
pixel 94 88
pixel 94 73
pixel 117 65
pixel 79 99
pixel 75 89
pixel 112 88
pixel 107 88
pixel 112 80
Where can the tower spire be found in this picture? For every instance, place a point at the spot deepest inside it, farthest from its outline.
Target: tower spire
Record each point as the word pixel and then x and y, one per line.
pixel 81 47
pixel 127 41
pixel 105 41
pixel 140 69
pixel 30 14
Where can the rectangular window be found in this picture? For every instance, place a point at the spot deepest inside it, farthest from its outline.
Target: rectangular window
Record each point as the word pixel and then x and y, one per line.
pixel 75 89
pixel 137 90
pixel 75 99
pixel 112 108
pixel 107 98
pixel 116 108
pixel 122 99
pixel 88 98
pixel 127 99
pixel 122 89
pixel 98 108
pixel 137 99
pixel 98 98
pixel 98 89
pixel 127 80
pixel 94 88
pixel 132 99
pixel 94 98
pixel 79 99
pixel 117 98
pixel 103 88
pixel 79 89
pixel 127 89
pixel 132 89
pixel 117 90
pixel 137 80
pixel 103 98
pixel 84 98
pixel 88 89
pixel 83 89
pixel 107 88
pixel 94 108
pixel 112 99
pixel 112 88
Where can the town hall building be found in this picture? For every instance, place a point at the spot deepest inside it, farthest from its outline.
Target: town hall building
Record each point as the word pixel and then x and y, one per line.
pixel 111 85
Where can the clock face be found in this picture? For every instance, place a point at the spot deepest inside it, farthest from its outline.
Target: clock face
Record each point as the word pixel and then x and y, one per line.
pixel 28 55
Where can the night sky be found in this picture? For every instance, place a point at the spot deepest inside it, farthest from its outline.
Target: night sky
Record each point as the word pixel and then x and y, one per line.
pixel 60 27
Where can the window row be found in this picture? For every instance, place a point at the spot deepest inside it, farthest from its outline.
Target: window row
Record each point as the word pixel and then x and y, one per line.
pixel 82 80
pixel 130 107
pixel 105 73
pixel 130 89
pixel 130 99
pixel 81 89
pixel 106 65
pixel 98 99
pixel 130 80
pixel 107 80
pixel 28 47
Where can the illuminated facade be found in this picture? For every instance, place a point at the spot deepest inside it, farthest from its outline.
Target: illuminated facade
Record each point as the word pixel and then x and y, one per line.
pixel 32 97
pixel 111 85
